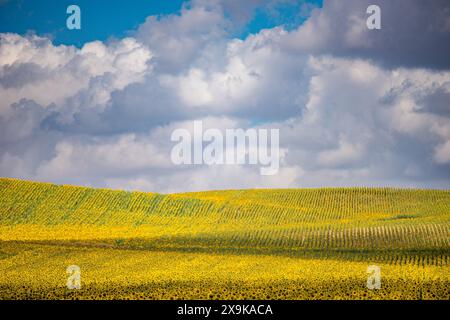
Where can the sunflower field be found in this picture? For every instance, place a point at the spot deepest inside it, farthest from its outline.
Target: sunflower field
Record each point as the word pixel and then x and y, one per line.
pixel 234 244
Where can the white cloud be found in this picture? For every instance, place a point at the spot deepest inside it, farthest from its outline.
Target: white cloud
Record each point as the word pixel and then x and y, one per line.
pixel 98 158
pixel 66 77
pixel 404 40
pixel 442 153
pixel 364 122
pixel 345 154
pixel 177 40
pixel 12 165
pixel 249 76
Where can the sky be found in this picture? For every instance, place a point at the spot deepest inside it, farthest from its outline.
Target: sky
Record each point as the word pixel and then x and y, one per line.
pixel 106 19
pixel 354 106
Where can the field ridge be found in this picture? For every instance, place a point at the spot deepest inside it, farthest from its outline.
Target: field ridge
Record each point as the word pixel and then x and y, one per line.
pixel 348 228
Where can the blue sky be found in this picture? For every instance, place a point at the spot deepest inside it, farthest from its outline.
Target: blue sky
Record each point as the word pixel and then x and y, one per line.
pixel 102 19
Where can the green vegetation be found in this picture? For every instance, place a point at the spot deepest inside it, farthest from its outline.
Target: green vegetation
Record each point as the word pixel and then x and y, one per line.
pixel 291 243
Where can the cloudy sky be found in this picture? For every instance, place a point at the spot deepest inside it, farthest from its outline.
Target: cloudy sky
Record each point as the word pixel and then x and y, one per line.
pixel 97 106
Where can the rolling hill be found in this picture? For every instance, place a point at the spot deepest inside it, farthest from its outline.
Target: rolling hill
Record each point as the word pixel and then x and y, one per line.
pixel 264 244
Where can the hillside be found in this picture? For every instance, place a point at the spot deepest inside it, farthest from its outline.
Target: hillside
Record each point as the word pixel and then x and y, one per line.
pixel 270 236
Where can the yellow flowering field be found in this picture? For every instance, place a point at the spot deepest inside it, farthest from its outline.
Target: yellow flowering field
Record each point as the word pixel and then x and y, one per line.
pixel 236 244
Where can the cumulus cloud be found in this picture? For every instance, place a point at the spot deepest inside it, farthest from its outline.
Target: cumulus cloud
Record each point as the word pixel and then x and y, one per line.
pixel 354 106
pixel 124 154
pixel 362 119
pixel 413 33
pixel 64 77
pixel 176 40
pixel 251 78
pixel 346 153
pixel 442 153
